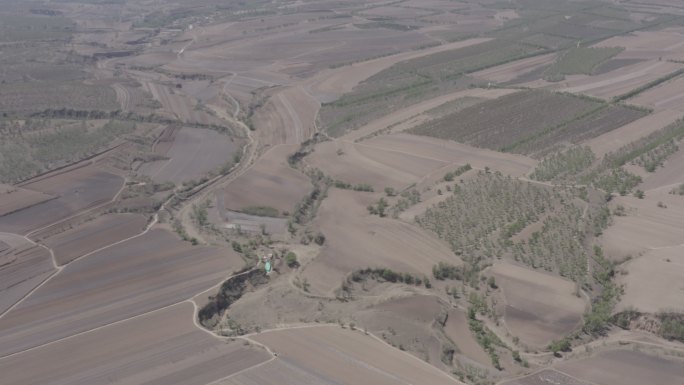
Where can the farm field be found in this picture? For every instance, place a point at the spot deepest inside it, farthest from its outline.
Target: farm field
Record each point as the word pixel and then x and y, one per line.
pixel 453 152
pixel 193 152
pixel 509 120
pixel 664 97
pixel 160 347
pixel 538 307
pixel 624 367
pixel 16 198
pixel 23 266
pixel 653 282
pixel 77 189
pixel 368 241
pixel 100 232
pixel 329 355
pixel 226 192
pixel 131 278
pixel 271 182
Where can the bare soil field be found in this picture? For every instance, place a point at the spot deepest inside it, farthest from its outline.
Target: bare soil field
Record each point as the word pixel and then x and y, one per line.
pixel 179 105
pixel 328 85
pixel 453 152
pixel 23 266
pixel 363 163
pixel 546 376
pixel 666 96
pixel 613 140
pixel 418 111
pixel 511 71
pixel 270 182
pixel 645 225
pixel 624 367
pixel 539 307
pixel 620 81
pixel 457 329
pixel 132 278
pixel 92 235
pixel 159 348
pixel 653 281
pixel 332 355
pixel 192 153
pixel 671 174
pixel 368 241
pixel 287 117
pixel 665 44
pixel 14 198
pixel 77 189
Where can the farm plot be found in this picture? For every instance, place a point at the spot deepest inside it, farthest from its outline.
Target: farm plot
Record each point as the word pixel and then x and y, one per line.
pixel 645 225
pixel 271 182
pixel 92 235
pixel 159 348
pixel 331 355
pixel 453 152
pixel 192 153
pixel 132 278
pixel 368 241
pixel 23 266
pixel 672 172
pixel 30 97
pixel 620 81
pixel 546 376
pixel 411 115
pixel 179 105
pixel 287 117
pixel 511 119
pixel 514 70
pixel 14 198
pixel 581 61
pixel 654 281
pixel 577 131
pixel 539 307
pixel 624 367
pixel 667 96
pixel 77 189
pixel 361 163
pixel 619 137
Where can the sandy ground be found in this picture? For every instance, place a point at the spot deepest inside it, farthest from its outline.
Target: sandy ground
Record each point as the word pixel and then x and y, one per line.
pixel 357 240
pixel 193 153
pixel 509 71
pixel 164 347
pixel 539 307
pixel 420 108
pixel 270 182
pixel 78 189
pixel 140 275
pixel 622 367
pixel 331 355
pixel 93 235
pixel 626 134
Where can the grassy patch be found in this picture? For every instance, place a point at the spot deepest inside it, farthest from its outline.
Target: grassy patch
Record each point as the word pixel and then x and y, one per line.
pixel 563 164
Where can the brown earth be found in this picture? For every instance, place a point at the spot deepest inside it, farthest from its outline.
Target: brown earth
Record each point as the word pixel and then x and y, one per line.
pixel 333 355
pixel 140 275
pixel 270 182
pixel 14 198
pixel 361 240
pixel 77 190
pixel 539 307
pixel 92 235
pixel 163 347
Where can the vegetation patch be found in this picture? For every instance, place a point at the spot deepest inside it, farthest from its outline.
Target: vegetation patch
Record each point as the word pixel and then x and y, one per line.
pixel 564 164
pixel 261 211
